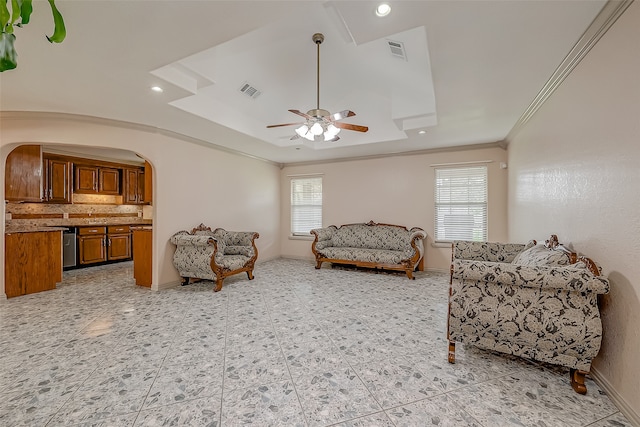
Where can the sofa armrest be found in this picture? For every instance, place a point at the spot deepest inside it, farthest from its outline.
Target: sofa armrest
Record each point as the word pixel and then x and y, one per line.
pixel 574 279
pixel 486 251
pixel 323 237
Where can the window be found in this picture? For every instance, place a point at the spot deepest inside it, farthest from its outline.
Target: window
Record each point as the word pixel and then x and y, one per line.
pixel 461 204
pixel 306 205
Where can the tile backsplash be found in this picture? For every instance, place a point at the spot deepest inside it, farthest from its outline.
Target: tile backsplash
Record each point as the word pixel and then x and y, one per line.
pixel 49 214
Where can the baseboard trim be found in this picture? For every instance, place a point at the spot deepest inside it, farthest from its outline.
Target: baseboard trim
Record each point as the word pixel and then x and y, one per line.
pixel 168 285
pixel 615 397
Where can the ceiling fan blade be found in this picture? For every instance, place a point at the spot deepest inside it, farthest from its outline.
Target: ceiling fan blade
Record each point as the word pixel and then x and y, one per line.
pixel 300 113
pixel 349 126
pixel 283 124
pixel 342 115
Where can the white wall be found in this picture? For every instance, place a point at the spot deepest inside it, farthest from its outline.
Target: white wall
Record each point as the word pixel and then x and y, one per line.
pixel 574 171
pixel 394 190
pixel 191 183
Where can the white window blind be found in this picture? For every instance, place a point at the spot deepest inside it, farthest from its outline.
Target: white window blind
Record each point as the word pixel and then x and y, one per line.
pixel 306 205
pixel 461 204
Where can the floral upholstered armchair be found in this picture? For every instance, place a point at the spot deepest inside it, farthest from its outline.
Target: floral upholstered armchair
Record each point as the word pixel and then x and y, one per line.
pixel 535 301
pixel 214 255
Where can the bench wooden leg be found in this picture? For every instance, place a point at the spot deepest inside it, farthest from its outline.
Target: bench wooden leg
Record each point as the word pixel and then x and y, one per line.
pixel 218 285
pixel 452 352
pixel 577 381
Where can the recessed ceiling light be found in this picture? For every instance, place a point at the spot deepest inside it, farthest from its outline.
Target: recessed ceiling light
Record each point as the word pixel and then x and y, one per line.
pixel 157 89
pixel 422 132
pixel 383 10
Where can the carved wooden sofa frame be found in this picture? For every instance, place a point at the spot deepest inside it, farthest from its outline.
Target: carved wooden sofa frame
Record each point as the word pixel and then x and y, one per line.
pixel 203 254
pixel 407 265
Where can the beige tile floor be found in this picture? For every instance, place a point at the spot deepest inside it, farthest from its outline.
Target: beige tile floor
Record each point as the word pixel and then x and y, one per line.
pixel 294 347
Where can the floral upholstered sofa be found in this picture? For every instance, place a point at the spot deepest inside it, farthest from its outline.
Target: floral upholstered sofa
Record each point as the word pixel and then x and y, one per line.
pixel 535 301
pixel 371 245
pixel 214 255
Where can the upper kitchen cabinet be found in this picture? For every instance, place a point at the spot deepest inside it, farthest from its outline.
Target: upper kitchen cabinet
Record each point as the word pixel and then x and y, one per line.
pixel 57 177
pixel 148 183
pixel 133 192
pixel 92 179
pixel 23 174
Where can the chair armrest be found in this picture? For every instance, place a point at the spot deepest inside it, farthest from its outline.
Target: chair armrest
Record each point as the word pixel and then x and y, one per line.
pixel 568 278
pixel 180 239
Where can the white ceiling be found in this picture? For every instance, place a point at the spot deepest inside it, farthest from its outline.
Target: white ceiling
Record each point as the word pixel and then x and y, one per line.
pixel 471 68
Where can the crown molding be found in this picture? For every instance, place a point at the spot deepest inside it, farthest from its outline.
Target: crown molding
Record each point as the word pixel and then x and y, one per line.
pixel 43 115
pixel 607 16
pixel 497 144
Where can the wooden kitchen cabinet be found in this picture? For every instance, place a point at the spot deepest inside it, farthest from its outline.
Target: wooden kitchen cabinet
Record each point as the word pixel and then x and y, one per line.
pixel 134 186
pixel 101 244
pixel 118 242
pixel 109 181
pixel 35 262
pixel 93 179
pixel 23 174
pixel 142 255
pixel 57 177
pixel 92 245
pixel 148 183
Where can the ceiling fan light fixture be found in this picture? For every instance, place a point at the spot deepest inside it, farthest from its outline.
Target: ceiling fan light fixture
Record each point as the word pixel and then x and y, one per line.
pixel 317 129
pixel 302 130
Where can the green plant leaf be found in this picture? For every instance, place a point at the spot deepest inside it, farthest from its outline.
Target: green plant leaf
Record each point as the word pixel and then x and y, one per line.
pixel 8 55
pixel 15 11
pixel 59 32
pixel 4 15
pixel 25 11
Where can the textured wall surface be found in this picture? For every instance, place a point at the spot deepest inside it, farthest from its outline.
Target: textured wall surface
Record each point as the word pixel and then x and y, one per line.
pixel 573 171
pixel 394 190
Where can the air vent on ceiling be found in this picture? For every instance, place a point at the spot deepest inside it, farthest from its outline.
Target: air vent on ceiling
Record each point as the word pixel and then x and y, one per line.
pixel 249 90
pixel 397 49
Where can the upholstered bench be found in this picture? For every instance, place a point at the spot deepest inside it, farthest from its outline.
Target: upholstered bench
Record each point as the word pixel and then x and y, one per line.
pixel 371 245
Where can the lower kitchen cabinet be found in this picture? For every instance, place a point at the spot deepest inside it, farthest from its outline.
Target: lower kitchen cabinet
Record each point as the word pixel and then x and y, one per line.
pixel 92 244
pixel 35 264
pixel 100 244
pixel 118 242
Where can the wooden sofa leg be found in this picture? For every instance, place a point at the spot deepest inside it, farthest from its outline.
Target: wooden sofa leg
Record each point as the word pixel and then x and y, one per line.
pixel 218 285
pixel 452 352
pixel 318 265
pixel 577 381
pixel 250 274
pixel 184 281
pixel 410 274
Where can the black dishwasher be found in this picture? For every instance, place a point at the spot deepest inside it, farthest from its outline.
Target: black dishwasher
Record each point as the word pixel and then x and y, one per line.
pixel 69 248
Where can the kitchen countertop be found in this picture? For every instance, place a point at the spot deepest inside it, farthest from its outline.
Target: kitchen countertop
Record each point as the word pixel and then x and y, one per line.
pixel 61 225
pixel 32 229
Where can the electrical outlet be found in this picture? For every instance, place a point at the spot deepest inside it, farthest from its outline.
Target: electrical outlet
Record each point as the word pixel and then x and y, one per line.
pixel 65 215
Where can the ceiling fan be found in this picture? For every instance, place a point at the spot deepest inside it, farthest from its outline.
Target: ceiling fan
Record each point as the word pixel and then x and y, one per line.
pixel 321 125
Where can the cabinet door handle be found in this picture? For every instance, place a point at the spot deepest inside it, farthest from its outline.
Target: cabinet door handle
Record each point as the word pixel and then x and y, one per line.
pixel 109 242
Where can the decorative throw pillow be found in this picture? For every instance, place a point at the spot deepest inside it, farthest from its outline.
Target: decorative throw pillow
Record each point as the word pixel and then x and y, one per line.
pixel 541 255
pixel 530 244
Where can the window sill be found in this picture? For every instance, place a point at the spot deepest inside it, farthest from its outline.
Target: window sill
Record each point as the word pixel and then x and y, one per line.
pixel 309 238
pixel 441 244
